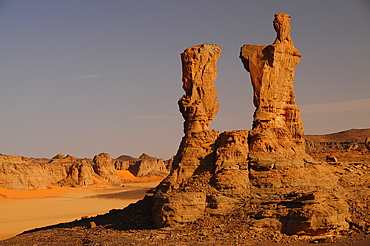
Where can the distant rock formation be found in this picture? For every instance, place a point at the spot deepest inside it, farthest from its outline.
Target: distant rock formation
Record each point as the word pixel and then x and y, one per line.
pixel 351 140
pixel 104 167
pixel 145 165
pixel 21 173
pixel 78 171
pixel 264 171
pixel 346 146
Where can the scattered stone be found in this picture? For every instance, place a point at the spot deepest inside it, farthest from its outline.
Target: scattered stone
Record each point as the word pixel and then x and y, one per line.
pixel 92 225
pixel 331 158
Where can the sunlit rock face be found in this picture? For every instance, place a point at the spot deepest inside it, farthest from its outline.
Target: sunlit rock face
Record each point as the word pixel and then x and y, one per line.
pixel 277 125
pixel 264 171
pixel 199 71
pixel 22 173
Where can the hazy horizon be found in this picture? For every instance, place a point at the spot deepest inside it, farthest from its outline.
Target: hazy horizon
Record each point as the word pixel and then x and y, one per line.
pixel 84 77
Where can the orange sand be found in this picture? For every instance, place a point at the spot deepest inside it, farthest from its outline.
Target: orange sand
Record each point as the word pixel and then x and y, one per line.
pixel 34 193
pixel 25 210
pixel 53 190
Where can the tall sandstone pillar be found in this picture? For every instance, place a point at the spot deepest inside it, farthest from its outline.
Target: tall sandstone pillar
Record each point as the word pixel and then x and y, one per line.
pixel 196 151
pixel 277 126
pixel 199 72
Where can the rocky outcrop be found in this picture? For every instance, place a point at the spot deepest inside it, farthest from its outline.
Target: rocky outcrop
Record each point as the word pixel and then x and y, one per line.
pixel 104 168
pixel 264 172
pixel 145 165
pixel 17 172
pixel 148 166
pixel 21 173
pixel 351 140
pixel 77 171
pixel 198 107
pixel 346 146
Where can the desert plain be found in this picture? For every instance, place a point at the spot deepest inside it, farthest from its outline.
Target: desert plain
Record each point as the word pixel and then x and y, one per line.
pixel 26 210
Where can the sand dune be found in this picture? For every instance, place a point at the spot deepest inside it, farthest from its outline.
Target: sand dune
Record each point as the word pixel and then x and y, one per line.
pixel 25 210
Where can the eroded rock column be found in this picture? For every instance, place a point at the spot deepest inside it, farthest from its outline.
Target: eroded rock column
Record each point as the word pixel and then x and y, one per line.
pixel 278 166
pixel 199 70
pixel 277 126
pixel 173 202
pixel 198 107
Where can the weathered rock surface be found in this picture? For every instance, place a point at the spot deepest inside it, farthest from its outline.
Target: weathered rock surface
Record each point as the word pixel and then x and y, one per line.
pixel 264 171
pixel 103 167
pixel 21 173
pixel 78 171
pixel 145 165
pixel 199 104
pixel 347 145
pixel 277 126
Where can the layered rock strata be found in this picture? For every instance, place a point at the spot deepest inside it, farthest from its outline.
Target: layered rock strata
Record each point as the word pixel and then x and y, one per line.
pixel 277 126
pixel 199 104
pixel 104 167
pixel 22 173
pixel 351 141
pixel 265 171
pixel 143 166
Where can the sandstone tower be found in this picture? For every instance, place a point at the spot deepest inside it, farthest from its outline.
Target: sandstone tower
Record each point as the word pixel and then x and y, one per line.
pixel 264 171
pixel 271 69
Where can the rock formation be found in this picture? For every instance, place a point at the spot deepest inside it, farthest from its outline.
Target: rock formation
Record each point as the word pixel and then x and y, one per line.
pixel 265 171
pixel 347 146
pixel 199 104
pixel 145 165
pixel 104 168
pixel 277 126
pixel 77 171
pixel 22 173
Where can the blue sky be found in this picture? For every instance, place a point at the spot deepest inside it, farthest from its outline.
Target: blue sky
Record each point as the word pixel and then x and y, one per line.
pixel 82 77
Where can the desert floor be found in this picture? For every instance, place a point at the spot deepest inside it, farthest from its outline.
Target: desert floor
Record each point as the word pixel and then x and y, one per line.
pixel 25 210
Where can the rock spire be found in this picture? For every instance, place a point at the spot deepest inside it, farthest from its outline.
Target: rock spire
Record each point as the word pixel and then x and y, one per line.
pixel 199 70
pixel 277 125
pixel 264 173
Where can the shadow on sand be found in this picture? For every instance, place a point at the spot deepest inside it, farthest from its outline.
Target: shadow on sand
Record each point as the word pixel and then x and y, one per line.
pixel 136 216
